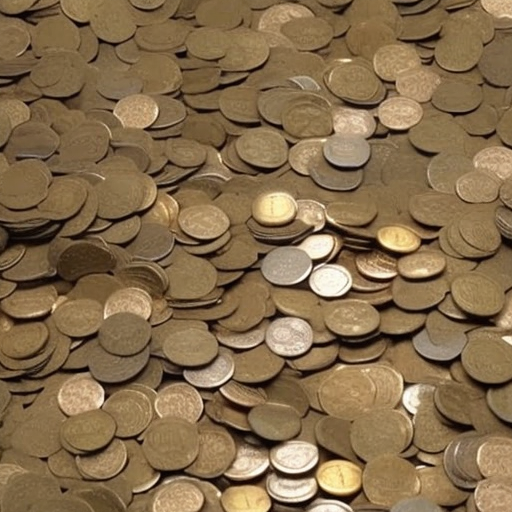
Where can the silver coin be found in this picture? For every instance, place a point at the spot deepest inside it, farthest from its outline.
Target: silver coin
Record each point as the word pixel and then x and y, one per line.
pixel 326 505
pixel 250 462
pixel 289 336
pixel 415 394
pixel 330 280
pixel 294 457
pixel 346 150
pixel 448 351
pixel 291 490
pixel 286 266
pixel 213 375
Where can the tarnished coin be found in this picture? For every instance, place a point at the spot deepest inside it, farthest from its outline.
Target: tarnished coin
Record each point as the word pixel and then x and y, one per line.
pixel 399 113
pixel 343 150
pixel 262 147
pixel 136 111
pixel 286 266
pixel 351 317
pixel 178 496
pixel 204 222
pixel 493 457
pixel 274 422
pixel 171 444
pixel 477 294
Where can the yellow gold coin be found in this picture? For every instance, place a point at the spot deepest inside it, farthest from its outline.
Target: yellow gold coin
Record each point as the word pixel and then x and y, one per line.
pixel 245 498
pixel 274 208
pixel 398 239
pixel 339 477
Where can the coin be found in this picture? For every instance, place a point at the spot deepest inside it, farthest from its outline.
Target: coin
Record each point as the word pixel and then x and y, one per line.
pixel 286 266
pixel 399 113
pixel 289 336
pixel 398 239
pixel 330 280
pixel 339 477
pixel 350 151
pixel 245 497
pixel 178 496
pixel 294 457
pixel 274 209
pixel 80 393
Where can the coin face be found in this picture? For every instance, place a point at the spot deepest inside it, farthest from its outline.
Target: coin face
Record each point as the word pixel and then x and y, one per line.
pixel 330 280
pixel 339 477
pixel 350 151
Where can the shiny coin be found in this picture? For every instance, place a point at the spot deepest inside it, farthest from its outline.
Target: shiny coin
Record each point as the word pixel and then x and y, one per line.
pixel 289 336
pixel 398 239
pixel 330 280
pixel 294 457
pixel 242 498
pixel 274 208
pixel 291 490
pixel 339 477
pixel 80 393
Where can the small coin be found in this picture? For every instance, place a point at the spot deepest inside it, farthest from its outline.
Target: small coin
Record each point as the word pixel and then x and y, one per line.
pixel 330 280
pixel 291 490
pixel 294 457
pixel 80 393
pixel 89 431
pixel 477 294
pixel 104 464
pixel 274 422
pixel 494 494
pixel 350 151
pixel 131 409
pixel 171 444
pixel 250 462
pixel 191 347
pixel 242 498
pixel 204 222
pixel 289 336
pixel 351 317
pixel 178 496
pixel 493 457
pixel 80 317
pixel 286 266
pixel 136 111
pixel 179 400
pixel 339 477
pixel 398 239
pixel 400 113
pixel 274 208
pixel 262 147
pixel 124 334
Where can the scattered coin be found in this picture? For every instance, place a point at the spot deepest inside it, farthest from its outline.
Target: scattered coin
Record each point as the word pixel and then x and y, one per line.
pixel 339 477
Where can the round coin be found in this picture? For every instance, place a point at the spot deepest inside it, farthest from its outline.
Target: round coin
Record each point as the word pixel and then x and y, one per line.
pixel 339 477
pixel 294 457
pixel 330 280
pixel 343 150
pixel 274 208
pixel 399 113
pixel 289 336
pixel 286 266
pixel 178 496
pixel 136 111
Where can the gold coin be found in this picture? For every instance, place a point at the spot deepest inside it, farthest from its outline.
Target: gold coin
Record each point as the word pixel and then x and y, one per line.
pixel 245 498
pixel 274 208
pixel 398 239
pixel 339 477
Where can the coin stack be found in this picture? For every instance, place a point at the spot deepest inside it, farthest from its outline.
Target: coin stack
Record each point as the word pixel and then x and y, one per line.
pixel 255 255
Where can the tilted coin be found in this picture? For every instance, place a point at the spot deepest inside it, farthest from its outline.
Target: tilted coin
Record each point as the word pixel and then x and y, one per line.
pixel 286 266
pixel 294 457
pixel 289 336
pixel 346 150
pixel 330 280
pixel 339 477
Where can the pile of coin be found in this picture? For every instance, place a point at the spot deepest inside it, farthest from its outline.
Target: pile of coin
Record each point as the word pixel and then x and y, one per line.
pixel 255 255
